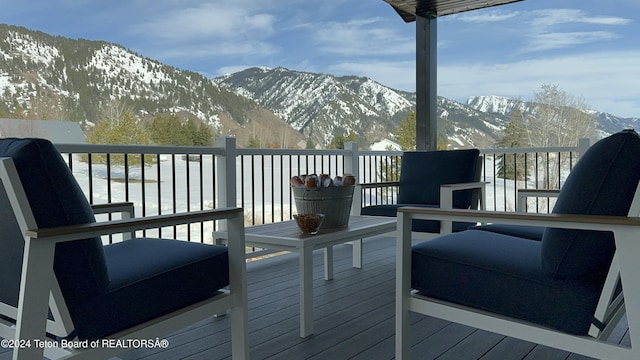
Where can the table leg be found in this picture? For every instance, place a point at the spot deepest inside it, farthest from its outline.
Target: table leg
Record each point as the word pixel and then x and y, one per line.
pixel 328 263
pixel 306 292
pixel 357 253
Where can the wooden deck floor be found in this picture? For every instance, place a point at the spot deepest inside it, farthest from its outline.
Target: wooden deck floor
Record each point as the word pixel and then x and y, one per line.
pixel 354 319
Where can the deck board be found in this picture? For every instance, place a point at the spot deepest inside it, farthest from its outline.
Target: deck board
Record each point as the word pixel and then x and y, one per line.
pixel 354 319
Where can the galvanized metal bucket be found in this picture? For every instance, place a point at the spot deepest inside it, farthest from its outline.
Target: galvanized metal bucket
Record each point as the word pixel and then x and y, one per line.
pixel 334 202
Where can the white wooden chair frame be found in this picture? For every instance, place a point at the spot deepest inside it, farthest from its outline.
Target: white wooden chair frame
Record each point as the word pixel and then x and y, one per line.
pixel 40 292
pixel 610 308
pixel 446 202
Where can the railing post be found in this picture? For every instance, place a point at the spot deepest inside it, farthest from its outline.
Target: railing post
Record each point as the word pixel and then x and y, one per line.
pixel 583 146
pixel 226 175
pixel 352 166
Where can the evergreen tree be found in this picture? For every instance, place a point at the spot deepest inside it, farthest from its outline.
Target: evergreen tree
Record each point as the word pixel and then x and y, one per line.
pixel 406 132
pixel 340 139
pixel 512 166
pixel 125 130
pixel 254 143
pixel 189 130
pixel 203 136
pixel 168 130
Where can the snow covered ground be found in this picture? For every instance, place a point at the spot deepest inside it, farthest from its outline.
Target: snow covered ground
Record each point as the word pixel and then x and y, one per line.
pixel 177 185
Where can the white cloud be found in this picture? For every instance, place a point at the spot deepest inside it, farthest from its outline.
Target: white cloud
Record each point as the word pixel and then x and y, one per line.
pixel 214 49
pixel 487 16
pixel 399 75
pixel 362 37
pixel 544 25
pixel 605 80
pixel 543 19
pixel 208 21
pixel 550 41
pixel 220 28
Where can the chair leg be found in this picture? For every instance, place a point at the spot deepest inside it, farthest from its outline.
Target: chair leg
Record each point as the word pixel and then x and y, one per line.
pixel 239 333
pixel 238 289
pixel 403 287
pixel 33 306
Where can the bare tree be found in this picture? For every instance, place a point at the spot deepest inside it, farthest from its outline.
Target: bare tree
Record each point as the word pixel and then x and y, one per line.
pixel 114 109
pixel 557 119
pixel 48 106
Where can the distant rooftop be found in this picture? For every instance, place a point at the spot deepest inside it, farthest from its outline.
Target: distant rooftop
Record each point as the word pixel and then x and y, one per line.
pixel 58 132
pixel 408 9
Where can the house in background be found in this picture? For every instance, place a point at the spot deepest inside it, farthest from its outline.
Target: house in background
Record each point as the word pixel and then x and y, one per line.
pixel 58 132
pixel 385 144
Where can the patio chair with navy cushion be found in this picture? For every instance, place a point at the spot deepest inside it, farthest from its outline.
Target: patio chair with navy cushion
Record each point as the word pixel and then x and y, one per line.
pixel 60 283
pixel 436 179
pixel 566 291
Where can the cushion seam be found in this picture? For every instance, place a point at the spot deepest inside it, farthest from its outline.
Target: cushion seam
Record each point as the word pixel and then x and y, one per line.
pixel 556 271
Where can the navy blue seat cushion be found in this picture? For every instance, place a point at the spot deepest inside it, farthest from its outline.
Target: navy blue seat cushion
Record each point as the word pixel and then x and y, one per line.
pixel 57 200
pixel 428 226
pixel 522 231
pixel 603 182
pixel 423 172
pixel 150 278
pixel 503 274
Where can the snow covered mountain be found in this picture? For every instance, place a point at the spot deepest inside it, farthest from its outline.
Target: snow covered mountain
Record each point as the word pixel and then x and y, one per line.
pixel 322 106
pixel 56 78
pixel 607 123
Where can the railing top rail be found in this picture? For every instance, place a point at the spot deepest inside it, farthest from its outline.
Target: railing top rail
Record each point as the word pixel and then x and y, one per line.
pixel 138 149
pixel 381 152
pixel 482 151
pixel 555 149
pixel 294 152
pixel 217 151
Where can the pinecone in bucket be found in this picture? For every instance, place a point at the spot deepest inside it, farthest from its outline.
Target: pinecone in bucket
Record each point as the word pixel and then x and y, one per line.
pixel 324 180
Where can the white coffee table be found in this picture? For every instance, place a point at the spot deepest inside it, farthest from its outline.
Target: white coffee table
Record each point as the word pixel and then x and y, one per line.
pixel 287 236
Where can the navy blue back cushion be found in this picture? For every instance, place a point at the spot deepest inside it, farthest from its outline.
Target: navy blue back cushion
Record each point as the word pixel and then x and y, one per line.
pixel 423 172
pixel 603 182
pixel 11 251
pixel 56 199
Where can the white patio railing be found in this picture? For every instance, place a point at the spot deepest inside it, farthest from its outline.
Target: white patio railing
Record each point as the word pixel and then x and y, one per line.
pixel 168 179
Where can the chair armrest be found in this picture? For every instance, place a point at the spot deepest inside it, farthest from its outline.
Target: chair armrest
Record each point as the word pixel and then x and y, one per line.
pixel 77 232
pixel 446 192
pixel 446 199
pixel 523 194
pixel 466 186
pixel 564 221
pixel 125 208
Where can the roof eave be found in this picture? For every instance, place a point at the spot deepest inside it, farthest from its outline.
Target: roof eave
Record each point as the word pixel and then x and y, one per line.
pixel 409 9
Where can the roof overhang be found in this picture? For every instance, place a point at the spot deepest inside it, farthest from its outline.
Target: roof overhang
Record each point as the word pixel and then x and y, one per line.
pixel 409 9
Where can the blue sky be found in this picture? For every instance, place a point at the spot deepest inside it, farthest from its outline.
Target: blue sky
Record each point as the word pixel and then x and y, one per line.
pixel 589 48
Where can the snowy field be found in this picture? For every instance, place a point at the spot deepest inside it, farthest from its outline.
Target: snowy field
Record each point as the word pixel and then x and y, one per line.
pixel 177 185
